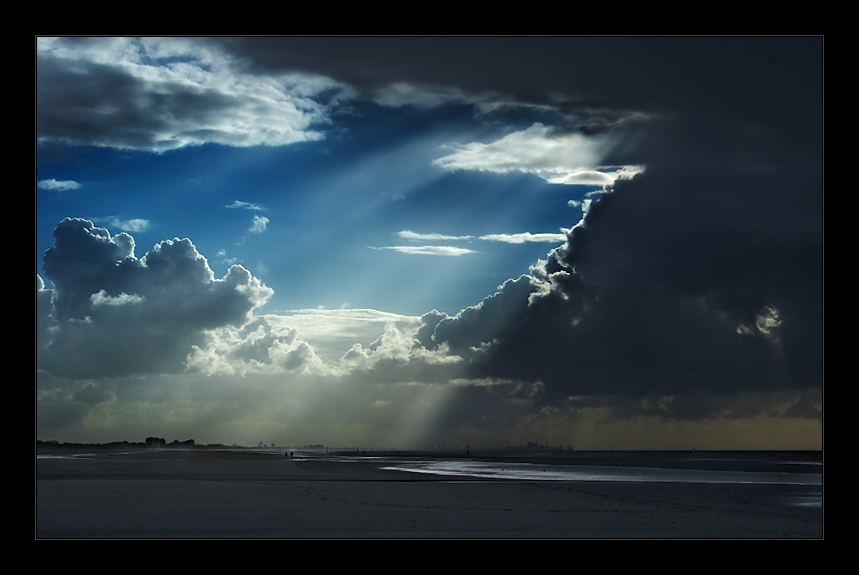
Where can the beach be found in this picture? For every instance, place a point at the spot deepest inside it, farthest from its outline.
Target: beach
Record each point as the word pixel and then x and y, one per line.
pixel 251 494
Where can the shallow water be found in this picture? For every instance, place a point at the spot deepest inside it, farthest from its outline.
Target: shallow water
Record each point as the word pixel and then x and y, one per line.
pixel 810 485
pixel 540 472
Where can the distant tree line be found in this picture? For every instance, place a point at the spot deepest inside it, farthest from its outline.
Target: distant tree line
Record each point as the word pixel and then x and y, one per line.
pixel 149 443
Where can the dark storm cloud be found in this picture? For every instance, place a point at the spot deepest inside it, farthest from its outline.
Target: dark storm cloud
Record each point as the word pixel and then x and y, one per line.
pixel 163 93
pixel 808 406
pixel 89 101
pixel 110 313
pixel 703 274
pixel 716 75
pixel 677 282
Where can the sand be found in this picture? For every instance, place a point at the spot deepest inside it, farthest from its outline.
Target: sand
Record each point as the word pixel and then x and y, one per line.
pixel 173 494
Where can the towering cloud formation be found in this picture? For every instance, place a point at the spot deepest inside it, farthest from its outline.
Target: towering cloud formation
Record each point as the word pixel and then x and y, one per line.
pixel 671 284
pixel 111 313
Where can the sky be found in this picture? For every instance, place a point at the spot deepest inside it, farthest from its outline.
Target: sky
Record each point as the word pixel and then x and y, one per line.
pixel 411 242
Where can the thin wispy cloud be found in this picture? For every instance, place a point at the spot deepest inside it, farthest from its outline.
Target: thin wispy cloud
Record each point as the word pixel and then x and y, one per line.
pixel 428 250
pixel 427 97
pixel 525 237
pixel 410 235
pixel 520 238
pixel 240 205
pixel 405 94
pixel 222 254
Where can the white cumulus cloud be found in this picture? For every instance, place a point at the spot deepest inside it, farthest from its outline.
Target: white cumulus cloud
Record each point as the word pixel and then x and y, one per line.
pixel 111 313
pixel 259 224
pixel 410 235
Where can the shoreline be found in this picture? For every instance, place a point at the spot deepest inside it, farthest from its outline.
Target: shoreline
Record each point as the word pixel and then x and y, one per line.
pixel 788 461
pixel 203 493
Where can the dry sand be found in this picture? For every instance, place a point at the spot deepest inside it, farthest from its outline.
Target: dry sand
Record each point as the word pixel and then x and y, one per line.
pixel 230 494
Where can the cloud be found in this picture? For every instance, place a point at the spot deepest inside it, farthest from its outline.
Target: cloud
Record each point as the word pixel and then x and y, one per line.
pixel 521 238
pixel 603 177
pixel 394 355
pixel 525 237
pixel 102 298
pixel 322 343
pixel 665 287
pixel 562 157
pixel 58 185
pixel 110 313
pixel 405 94
pixel 259 224
pixel 159 94
pixel 428 250
pixel 238 204
pixel 132 225
pixel 259 347
pixel 410 235
pixel 399 94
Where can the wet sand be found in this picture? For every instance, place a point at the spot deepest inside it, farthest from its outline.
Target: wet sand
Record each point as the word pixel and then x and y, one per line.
pixel 234 494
